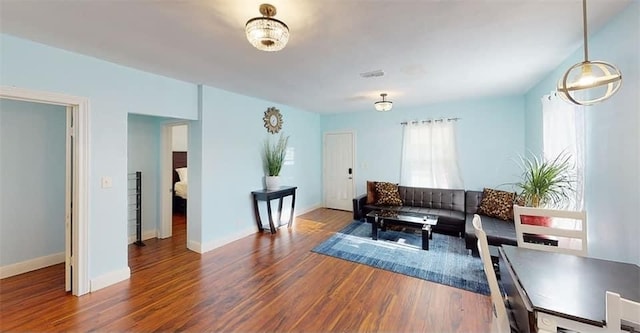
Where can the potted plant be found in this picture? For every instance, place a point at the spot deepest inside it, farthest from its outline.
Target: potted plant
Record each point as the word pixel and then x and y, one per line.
pixel 545 183
pixel 273 158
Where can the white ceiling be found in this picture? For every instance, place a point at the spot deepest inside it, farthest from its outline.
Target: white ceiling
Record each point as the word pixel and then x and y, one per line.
pixel 430 50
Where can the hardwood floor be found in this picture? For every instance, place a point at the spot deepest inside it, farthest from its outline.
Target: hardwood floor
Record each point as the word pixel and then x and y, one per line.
pixel 261 283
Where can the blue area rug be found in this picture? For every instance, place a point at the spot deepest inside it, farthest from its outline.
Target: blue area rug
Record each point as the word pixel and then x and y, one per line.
pixel 447 261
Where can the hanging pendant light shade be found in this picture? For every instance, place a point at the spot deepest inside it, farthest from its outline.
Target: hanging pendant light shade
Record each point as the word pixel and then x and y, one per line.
pixel 383 105
pixel 266 33
pixel 589 82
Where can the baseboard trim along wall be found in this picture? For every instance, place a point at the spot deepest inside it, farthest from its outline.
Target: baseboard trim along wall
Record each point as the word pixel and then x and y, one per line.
pixel 202 248
pixel 299 212
pixel 110 278
pixel 145 235
pixel 31 265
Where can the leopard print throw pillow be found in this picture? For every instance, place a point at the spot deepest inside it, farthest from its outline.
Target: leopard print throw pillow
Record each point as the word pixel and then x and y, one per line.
pixel 498 204
pixel 388 194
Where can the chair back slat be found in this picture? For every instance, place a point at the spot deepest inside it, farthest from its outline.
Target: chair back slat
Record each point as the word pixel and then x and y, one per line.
pixel 620 311
pixel 565 231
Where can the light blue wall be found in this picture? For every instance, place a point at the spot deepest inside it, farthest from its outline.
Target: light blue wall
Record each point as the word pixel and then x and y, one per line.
pixel 32 205
pixel 113 91
pixel 232 135
pixel 144 155
pixel 612 188
pixel 224 145
pixel 490 137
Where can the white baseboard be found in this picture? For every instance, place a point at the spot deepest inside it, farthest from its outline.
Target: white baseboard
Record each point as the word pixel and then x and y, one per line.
pixel 110 278
pixel 308 209
pixel 148 234
pixel 194 246
pixel 202 248
pixel 31 265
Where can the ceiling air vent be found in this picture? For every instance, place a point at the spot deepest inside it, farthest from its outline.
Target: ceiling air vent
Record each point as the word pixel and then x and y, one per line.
pixel 376 73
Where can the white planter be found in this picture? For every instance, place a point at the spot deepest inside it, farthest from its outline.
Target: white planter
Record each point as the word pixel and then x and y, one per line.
pixel 272 182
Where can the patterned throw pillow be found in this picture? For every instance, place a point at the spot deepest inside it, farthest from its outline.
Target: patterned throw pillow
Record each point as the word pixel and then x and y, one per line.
pixel 388 194
pixel 498 204
pixel 371 193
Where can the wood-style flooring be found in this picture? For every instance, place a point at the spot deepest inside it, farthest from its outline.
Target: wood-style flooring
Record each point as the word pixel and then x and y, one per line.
pixel 261 283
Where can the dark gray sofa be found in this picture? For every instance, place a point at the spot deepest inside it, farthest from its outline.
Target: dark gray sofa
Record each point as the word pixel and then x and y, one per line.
pixel 498 231
pixel 448 205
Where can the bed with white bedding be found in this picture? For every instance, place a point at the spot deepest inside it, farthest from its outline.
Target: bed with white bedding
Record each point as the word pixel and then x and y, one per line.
pixel 180 180
pixel 180 189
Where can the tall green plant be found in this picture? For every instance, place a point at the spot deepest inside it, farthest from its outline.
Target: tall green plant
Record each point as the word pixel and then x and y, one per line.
pixel 546 182
pixel 274 153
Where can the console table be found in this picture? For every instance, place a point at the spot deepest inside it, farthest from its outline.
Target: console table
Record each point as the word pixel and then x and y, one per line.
pixel 268 195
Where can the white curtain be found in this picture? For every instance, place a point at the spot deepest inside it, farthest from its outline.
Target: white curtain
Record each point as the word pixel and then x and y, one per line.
pixel 563 127
pixel 430 156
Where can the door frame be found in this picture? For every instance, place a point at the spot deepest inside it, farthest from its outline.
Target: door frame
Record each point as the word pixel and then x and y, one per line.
pixel 80 192
pixel 166 176
pixel 324 167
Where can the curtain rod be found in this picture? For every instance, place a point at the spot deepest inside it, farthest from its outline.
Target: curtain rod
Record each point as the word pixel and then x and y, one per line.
pixel 550 95
pixel 428 121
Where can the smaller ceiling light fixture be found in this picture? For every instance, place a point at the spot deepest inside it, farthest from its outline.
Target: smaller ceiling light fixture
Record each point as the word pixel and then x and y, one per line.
pixel 267 33
pixel 383 105
pixel 589 82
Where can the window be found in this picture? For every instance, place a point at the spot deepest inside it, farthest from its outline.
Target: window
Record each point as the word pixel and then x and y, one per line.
pixel 430 156
pixel 563 130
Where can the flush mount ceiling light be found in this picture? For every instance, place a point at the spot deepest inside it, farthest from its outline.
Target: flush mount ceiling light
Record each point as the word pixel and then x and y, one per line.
pixel 267 33
pixel 589 82
pixel 383 105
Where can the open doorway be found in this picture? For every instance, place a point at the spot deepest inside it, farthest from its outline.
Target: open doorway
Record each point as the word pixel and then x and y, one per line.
pixel 179 154
pixel 143 177
pixel 147 153
pixel 73 159
pixel 175 178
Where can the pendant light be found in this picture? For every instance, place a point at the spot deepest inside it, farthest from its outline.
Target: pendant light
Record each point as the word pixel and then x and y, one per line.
pixel 266 33
pixel 589 82
pixel 383 105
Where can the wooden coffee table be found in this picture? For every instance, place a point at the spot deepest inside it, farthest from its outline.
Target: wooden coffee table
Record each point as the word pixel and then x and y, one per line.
pixel 380 220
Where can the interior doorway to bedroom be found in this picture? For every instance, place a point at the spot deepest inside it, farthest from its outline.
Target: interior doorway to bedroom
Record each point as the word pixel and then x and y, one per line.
pixel 157 149
pixel 175 193
pixel 179 154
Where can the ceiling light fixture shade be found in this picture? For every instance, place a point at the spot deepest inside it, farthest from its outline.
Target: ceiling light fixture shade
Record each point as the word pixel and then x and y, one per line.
pixel 267 33
pixel 383 105
pixel 589 82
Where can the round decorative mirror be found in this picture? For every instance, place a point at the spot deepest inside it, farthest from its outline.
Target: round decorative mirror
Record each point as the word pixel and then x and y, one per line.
pixel 272 120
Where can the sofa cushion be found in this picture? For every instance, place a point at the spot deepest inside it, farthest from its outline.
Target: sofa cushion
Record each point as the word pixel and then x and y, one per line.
pixel 432 198
pixel 387 194
pixel 498 231
pixel 496 203
pixel 444 213
pixel 372 198
pixel 472 201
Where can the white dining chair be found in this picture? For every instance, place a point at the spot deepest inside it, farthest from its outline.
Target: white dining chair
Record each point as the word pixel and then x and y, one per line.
pixel 500 322
pixel 620 311
pixel 565 233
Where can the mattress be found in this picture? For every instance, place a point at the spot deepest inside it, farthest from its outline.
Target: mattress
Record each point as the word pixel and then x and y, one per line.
pixel 181 189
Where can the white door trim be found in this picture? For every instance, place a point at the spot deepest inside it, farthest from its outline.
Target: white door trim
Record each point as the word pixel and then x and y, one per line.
pixel 80 211
pixel 70 112
pixel 166 176
pixel 353 161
